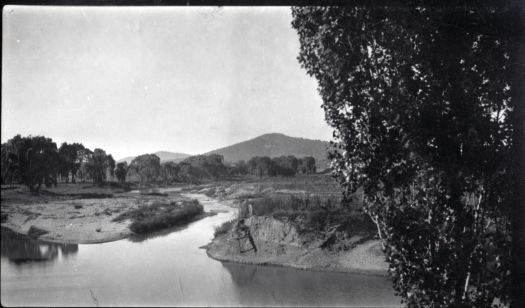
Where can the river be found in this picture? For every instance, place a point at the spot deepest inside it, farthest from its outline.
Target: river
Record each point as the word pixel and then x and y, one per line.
pixel 169 269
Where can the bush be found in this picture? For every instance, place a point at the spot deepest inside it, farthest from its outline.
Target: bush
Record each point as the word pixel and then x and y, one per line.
pixel 161 215
pixel 225 227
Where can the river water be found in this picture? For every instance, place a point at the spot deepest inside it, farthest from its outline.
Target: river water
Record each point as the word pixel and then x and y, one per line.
pixel 169 269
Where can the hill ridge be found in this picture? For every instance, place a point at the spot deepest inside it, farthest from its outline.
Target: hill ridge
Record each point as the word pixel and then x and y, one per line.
pixel 273 145
pixel 270 144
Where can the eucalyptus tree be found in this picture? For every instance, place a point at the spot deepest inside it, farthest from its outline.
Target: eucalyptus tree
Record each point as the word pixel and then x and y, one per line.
pixel 121 171
pixel 97 165
pixel 70 159
pixel 146 166
pixel 34 159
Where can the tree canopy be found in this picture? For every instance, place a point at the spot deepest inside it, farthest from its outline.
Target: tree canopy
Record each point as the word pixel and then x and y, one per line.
pixel 121 171
pixel 70 159
pixel 420 100
pixel 35 159
pixel 97 166
pixel 146 166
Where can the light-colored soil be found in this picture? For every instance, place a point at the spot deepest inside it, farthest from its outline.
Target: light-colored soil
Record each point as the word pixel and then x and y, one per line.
pixel 72 220
pixel 365 258
pixel 279 242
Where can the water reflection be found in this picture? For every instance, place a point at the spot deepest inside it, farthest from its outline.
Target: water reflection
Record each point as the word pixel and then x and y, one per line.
pixel 20 249
pixel 271 285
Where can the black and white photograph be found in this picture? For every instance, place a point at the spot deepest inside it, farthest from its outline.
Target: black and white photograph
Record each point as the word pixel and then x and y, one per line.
pixel 367 154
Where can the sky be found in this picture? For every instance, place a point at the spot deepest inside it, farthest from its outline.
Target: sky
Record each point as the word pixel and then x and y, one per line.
pixel 135 80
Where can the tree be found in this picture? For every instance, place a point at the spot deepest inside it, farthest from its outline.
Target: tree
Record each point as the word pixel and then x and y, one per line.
pixel 121 171
pixel 146 166
pixel 212 166
pixel 189 173
pixel 111 165
pixel 261 166
pixel 419 98
pixel 285 165
pixel 306 165
pixel 97 165
pixel 169 172
pixel 70 159
pixel 35 159
pixel 240 168
pixel 9 165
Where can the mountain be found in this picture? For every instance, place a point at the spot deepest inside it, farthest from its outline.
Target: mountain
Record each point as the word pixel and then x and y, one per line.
pixel 163 155
pixel 273 145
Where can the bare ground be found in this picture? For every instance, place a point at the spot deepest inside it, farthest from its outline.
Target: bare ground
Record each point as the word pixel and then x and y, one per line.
pixel 69 217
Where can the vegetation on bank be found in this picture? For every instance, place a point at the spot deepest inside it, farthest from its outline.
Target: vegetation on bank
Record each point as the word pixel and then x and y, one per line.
pixel 225 227
pixel 36 160
pixel 312 215
pixel 148 218
pixel 288 205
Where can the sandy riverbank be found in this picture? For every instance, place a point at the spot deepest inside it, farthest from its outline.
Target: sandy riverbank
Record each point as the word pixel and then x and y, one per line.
pixel 365 258
pixel 71 218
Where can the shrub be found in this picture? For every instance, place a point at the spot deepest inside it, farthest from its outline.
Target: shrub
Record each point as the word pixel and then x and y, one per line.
pixel 225 227
pixel 161 215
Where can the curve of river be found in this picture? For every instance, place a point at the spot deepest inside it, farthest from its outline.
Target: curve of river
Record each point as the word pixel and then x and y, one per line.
pixel 169 269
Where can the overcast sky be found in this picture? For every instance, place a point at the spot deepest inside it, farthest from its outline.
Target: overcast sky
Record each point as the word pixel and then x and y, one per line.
pixel 140 80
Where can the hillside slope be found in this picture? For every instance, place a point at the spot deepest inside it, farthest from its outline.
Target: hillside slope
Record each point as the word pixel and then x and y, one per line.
pixel 273 145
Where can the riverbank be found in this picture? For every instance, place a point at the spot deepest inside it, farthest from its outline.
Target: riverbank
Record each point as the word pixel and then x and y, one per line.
pixel 295 223
pixel 316 235
pixel 278 242
pixel 77 213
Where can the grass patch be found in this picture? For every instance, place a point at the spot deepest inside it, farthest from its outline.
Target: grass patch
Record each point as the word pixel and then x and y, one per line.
pixel 312 213
pixel 224 227
pixel 282 204
pixel 161 215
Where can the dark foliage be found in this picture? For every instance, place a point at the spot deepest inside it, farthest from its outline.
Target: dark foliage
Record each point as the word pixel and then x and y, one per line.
pixel 161 215
pixel 420 100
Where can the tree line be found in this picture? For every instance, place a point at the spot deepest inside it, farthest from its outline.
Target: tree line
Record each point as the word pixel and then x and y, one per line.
pixel 277 166
pixel 36 160
pixel 148 168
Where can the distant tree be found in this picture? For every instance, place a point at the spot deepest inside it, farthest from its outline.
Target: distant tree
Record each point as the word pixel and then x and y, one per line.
pixel 240 168
pixel 190 174
pixel 111 165
pixel 9 165
pixel 211 166
pixel 147 167
pixel 97 165
pixel 261 166
pixel 52 168
pixel 285 165
pixel 169 172
pixel 306 165
pixel 36 160
pixel 70 156
pixel 121 171
pixel 214 165
pixel 420 100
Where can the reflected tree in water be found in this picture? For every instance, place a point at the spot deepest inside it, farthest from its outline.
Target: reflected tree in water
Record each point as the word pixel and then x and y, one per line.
pixel 21 249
